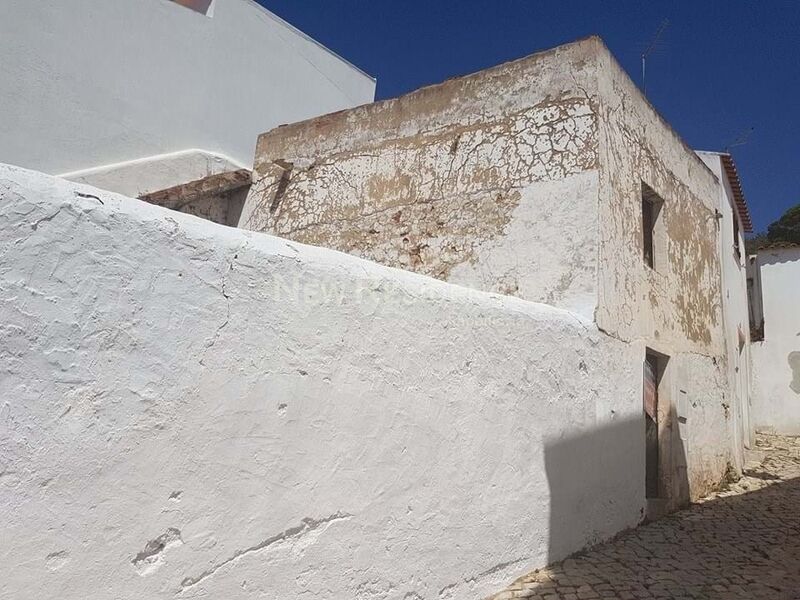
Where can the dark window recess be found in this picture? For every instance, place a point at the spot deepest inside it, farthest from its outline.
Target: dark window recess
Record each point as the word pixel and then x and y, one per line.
pixel 756 323
pixel 736 247
pixel 651 236
pixel 647 230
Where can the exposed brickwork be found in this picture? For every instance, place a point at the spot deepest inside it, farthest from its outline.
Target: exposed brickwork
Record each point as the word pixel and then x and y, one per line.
pixel 217 197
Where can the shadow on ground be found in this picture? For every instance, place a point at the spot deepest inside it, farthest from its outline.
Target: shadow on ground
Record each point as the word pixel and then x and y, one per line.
pixel 598 480
pixel 737 547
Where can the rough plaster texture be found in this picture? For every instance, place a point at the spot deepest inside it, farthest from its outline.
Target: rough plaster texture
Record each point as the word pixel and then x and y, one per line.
pixel 81 88
pixel 457 181
pixel 776 360
pixel 526 179
pixel 675 308
pixel 736 317
pixel 677 304
pixel 195 411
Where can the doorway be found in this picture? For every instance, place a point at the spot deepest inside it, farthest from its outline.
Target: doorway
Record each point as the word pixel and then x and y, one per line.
pixel 651 379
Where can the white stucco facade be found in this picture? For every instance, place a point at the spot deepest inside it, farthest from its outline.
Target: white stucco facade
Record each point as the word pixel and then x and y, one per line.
pixel 734 307
pixel 195 411
pixel 776 359
pixel 89 83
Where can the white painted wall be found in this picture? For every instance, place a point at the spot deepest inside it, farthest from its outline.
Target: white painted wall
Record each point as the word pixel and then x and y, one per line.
pixel 776 360
pixel 735 314
pixel 192 411
pixel 138 177
pixel 88 83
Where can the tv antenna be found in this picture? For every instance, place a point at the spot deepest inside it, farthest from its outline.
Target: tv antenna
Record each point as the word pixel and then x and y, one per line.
pixel 741 140
pixel 650 49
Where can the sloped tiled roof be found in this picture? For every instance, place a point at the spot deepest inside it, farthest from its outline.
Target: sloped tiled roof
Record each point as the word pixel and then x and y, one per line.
pixel 738 194
pixel 779 246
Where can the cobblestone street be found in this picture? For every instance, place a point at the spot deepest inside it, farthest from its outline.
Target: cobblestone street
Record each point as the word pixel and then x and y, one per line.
pixel 743 542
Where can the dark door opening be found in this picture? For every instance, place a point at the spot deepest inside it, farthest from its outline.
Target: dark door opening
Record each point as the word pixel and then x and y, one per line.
pixel 651 377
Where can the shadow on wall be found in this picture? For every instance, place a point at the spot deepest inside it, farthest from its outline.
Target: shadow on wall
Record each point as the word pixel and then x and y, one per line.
pixel 597 481
pixel 794 369
pixel 743 546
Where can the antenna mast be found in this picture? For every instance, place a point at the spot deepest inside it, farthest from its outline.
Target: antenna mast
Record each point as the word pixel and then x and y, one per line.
pixel 650 49
pixel 741 140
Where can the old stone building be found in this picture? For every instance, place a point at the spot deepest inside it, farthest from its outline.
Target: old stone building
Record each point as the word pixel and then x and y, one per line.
pixel 201 411
pixel 733 222
pixel 550 178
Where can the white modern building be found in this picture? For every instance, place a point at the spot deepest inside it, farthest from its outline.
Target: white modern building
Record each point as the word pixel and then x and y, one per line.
pixel 774 275
pixel 138 96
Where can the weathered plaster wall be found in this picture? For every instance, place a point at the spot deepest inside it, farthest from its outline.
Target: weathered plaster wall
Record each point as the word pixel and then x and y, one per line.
pixel 676 308
pixel 736 318
pixel 776 360
pixel 194 411
pixel 534 192
pixel 491 190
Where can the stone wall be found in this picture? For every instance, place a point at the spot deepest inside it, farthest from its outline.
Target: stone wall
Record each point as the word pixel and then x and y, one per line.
pixel 194 411
pixel 488 180
pixel 218 198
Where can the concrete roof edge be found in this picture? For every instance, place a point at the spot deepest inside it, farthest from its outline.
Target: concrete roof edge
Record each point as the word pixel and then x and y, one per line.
pixel 425 88
pixel 661 117
pixel 150 158
pixel 779 246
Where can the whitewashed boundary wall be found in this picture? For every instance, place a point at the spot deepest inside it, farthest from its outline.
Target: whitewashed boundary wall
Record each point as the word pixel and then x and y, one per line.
pixel 195 411
pixel 776 359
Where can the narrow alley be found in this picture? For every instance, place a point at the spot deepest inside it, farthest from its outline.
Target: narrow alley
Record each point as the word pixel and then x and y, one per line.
pixel 743 542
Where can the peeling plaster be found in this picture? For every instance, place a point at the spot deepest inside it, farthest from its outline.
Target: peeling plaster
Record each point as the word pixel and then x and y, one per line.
pixel 426 202
pixel 151 558
pixel 533 192
pixel 432 182
pixel 676 308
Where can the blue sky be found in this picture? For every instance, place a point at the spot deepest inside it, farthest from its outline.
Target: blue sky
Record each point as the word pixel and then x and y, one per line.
pixel 720 70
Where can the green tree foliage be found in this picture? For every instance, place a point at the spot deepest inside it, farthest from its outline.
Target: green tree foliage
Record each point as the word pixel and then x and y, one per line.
pixel 785 229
